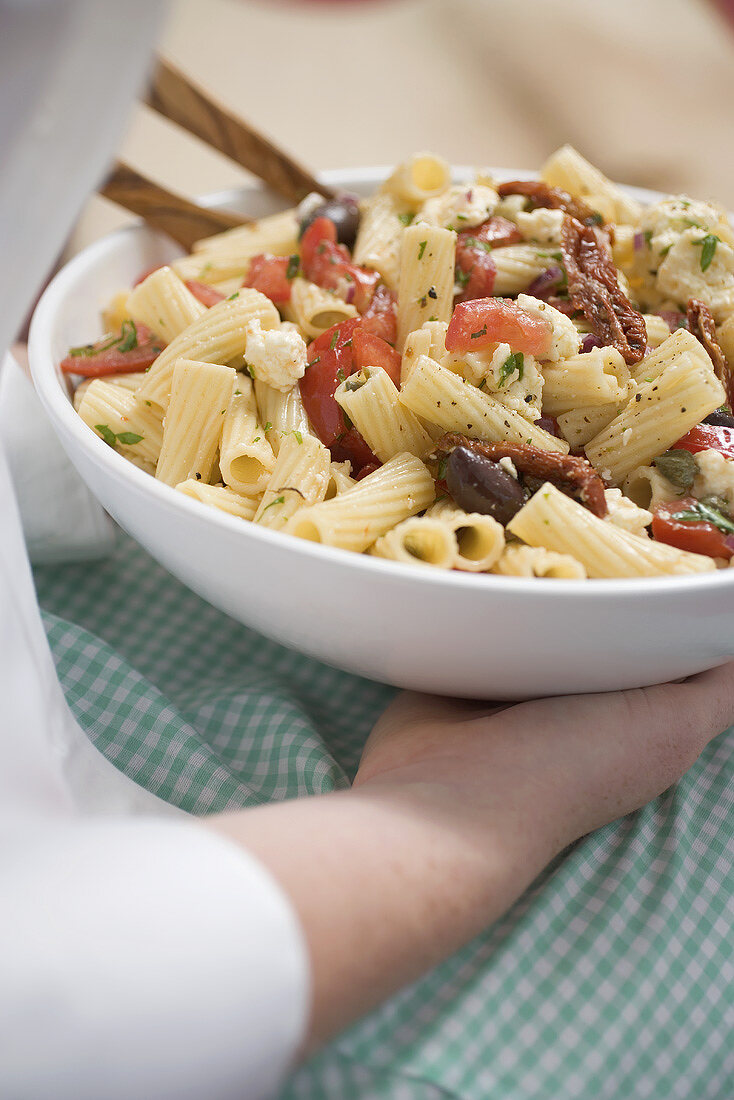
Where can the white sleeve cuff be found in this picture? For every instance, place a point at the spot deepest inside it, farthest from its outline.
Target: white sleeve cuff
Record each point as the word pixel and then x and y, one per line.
pixel 145 958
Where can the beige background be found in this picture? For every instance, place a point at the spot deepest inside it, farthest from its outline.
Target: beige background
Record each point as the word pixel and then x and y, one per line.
pixel 645 88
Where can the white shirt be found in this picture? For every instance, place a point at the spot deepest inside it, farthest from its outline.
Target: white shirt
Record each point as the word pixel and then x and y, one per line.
pixel 140 956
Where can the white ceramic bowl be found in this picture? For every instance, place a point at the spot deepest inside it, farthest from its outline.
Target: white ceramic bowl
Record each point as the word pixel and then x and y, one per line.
pixel 449 633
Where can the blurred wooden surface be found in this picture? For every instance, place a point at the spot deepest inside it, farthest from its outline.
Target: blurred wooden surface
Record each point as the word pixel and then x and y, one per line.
pixel 645 88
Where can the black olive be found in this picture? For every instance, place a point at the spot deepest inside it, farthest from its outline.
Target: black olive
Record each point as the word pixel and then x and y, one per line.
pixel 478 484
pixel 343 212
pixel 720 419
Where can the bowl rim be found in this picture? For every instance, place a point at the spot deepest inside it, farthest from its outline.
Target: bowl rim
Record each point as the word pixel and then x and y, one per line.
pixel 49 383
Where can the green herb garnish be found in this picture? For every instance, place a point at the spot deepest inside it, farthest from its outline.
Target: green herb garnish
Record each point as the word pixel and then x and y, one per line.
pixel 334 339
pixel 128 439
pixel 702 512
pixel 292 269
pixel 233 296
pixel 480 332
pixel 708 250
pixel 406 219
pixel 278 500
pixel 514 362
pixel 421 249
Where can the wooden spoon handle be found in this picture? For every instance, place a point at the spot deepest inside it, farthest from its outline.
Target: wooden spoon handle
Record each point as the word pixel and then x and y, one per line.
pixel 172 214
pixel 175 97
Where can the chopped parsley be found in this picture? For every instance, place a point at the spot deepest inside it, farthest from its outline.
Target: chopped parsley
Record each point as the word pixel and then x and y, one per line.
pixel 406 219
pixel 514 362
pixel 268 427
pixel 128 337
pixel 648 237
pixel 355 382
pixel 678 466
pixel 340 375
pixel 703 512
pixel 595 219
pixel 128 439
pixel 126 341
pixel 474 242
pixel 480 332
pixel 298 435
pixel 277 500
pixel 442 464
pixel 421 249
pixel 462 277
pixel 334 339
pixel 293 264
pixel 233 296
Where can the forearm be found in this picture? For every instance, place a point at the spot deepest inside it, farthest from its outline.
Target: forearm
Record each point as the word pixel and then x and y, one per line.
pixel 388 879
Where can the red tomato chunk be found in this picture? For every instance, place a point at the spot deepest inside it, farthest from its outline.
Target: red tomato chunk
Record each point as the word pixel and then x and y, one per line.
pixel 697 536
pixel 330 265
pixel 705 437
pixel 272 275
pixel 206 294
pixel 331 360
pixel 486 321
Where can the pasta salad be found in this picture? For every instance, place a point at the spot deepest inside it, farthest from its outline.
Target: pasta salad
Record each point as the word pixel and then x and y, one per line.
pixel 530 378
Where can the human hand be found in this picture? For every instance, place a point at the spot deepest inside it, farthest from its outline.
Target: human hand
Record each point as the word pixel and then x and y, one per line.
pixel 563 765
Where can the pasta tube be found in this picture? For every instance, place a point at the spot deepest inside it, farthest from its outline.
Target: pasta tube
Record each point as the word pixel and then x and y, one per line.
pixel 378 241
pixel 246 458
pixel 315 310
pixel 661 411
pixel 280 413
pixel 420 540
pixel 357 518
pixel 480 539
pixel 119 417
pixel 218 336
pixel 421 177
pixel 554 521
pixel 300 477
pixel 438 395
pixel 535 561
pixel 372 402
pixel 598 377
pixel 219 496
pixel 164 304
pixel 200 396
pixel 426 286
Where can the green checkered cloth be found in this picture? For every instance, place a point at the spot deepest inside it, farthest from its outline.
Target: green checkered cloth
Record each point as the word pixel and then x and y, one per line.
pixel 611 978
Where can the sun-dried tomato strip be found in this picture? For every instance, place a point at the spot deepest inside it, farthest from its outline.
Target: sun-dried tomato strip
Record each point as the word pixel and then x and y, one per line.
pixel 566 471
pixel 554 198
pixel 701 323
pixel 594 289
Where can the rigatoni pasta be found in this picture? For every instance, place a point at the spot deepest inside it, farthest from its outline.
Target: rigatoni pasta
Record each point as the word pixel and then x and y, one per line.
pixel 200 397
pixel 501 379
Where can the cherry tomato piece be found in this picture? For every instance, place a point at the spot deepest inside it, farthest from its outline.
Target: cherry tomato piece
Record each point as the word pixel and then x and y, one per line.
pixel 269 275
pixel 206 294
pixel 697 536
pixel 705 437
pixel 372 351
pixel 107 357
pixel 485 321
pixel 381 315
pixel 329 265
pixel 475 267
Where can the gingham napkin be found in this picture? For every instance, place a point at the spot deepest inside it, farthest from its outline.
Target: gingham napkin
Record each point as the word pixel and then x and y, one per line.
pixel 611 979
